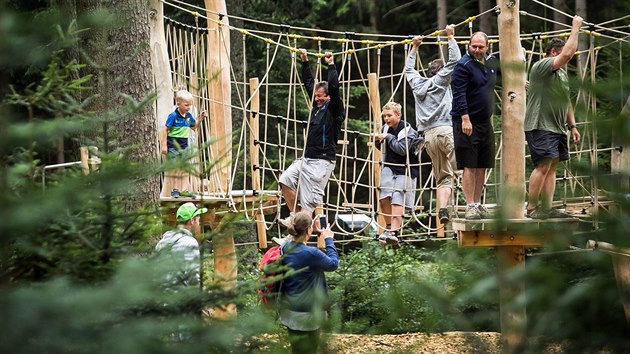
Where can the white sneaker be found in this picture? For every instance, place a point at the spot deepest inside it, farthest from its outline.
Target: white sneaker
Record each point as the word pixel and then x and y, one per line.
pixel 286 222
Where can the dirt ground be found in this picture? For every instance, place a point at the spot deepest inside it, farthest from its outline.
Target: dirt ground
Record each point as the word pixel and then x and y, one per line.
pixel 417 343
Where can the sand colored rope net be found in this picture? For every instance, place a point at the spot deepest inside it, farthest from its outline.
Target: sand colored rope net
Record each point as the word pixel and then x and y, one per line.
pixel 276 134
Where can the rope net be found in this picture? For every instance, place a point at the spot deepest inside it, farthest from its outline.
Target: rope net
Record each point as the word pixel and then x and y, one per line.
pixel 280 137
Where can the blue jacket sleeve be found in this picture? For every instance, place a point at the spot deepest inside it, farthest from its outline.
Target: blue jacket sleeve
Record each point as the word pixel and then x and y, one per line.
pixel 327 262
pixel 336 104
pixel 459 84
pixel 307 78
pixel 406 140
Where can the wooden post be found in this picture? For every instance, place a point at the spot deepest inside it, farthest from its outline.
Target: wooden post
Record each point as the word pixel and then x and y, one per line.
pixel 85 166
pixel 254 107
pixel 225 268
pixel 621 266
pixel 160 63
pixel 375 101
pixel 162 77
pixel 220 114
pixel 512 196
pixel 220 90
pixel 620 157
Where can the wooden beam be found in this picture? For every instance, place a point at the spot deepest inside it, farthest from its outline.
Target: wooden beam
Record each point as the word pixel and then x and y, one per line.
pixel 497 239
pixel 85 157
pixel 511 290
pixel 513 73
pixel 219 92
pixel 621 266
pixel 375 103
pixel 254 137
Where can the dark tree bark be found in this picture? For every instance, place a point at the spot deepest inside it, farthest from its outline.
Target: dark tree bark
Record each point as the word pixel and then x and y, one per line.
pixel 122 66
pixel 580 9
pixel 485 21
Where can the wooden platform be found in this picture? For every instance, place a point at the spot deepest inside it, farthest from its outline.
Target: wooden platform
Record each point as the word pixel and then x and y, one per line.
pixel 260 202
pixel 511 232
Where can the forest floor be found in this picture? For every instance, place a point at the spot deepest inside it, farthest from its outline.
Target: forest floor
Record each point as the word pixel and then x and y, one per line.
pixel 417 343
pixel 421 343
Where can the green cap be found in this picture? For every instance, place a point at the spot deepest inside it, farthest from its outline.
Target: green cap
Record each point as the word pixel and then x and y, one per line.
pixel 188 211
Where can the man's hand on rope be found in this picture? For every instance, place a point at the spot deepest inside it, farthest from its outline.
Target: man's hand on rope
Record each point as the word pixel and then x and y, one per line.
pixel 379 138
pixel 328 56
pixel 416 41
pixel 303 54
pixel 450 31
pixel 577 22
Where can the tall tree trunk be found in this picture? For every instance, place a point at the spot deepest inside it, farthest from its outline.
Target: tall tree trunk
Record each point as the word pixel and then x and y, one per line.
pixel 485 21
pixel 558 17
pixel 123 67
pixel 441 22
pixel 580 9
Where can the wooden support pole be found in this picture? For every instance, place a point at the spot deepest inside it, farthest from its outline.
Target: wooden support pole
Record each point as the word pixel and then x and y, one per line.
pixel 220 92
pixel 160 63
pixel 513 111
pixel 620 157
pixel 512 194
pixel 225 268
pixel 85 166
pixel 254 120
pixel 375 102
pixel 621 266
pixel 511 260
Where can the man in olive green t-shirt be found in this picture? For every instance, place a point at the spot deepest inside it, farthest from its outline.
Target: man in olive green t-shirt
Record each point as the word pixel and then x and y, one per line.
pixel 548 112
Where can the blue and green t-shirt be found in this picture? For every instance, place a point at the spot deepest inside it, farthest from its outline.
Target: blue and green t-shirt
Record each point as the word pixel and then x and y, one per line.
pixel 178 129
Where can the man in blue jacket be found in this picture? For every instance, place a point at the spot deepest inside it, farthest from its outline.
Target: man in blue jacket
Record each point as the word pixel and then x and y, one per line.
pixel 473 82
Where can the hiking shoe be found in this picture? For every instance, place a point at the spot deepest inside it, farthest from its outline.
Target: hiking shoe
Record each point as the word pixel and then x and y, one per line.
pixel 536 213
pixel 472 213
pixel 175 193
pixel 483 212
pixel 388 238
pixel 286 222
pixel 382 238
pixel 557 214
pixel 443 215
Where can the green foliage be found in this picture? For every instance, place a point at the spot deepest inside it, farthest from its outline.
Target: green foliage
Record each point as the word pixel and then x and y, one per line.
pixel 413 289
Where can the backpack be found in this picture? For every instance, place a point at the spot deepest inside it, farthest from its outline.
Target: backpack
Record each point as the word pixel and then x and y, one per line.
pixel 270 267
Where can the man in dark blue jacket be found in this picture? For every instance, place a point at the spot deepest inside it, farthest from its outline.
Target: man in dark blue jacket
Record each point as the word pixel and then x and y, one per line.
pixel 473 84
pixel 313 171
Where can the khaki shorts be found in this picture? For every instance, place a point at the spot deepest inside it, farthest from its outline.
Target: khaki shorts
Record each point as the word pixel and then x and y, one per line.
pixel 401 188
pixel 441 148
pixel 315 175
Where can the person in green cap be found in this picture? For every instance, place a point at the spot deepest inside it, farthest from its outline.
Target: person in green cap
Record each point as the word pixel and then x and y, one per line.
pixel 181 242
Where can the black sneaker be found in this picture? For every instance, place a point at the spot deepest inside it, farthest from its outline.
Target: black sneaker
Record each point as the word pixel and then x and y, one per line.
pixel 557 214
pixel 443 215
pixel 536 213
pixel 175 193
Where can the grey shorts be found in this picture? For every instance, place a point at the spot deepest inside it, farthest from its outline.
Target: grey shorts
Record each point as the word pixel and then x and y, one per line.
pixel 315 175
pixel 401 188
pixel 441 148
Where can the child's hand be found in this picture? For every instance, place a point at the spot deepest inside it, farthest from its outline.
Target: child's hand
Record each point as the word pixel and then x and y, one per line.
pixel 203 114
